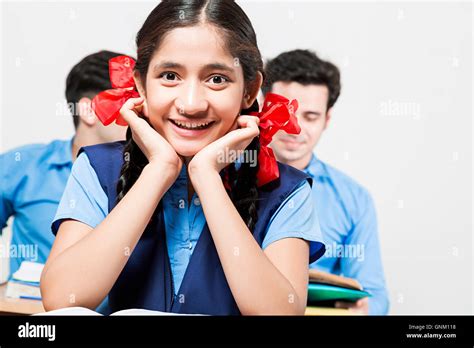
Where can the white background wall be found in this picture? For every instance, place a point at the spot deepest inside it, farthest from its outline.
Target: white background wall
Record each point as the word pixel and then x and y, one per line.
pixel 402 126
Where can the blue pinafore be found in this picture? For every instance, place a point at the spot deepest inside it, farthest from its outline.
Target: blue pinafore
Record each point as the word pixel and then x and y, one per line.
pixel 146 280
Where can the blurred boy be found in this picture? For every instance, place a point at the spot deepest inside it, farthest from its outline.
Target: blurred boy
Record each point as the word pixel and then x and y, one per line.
pixel 33 177
pixel 346 211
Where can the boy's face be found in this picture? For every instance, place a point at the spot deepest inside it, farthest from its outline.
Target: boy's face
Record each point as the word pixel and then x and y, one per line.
pixel 313 118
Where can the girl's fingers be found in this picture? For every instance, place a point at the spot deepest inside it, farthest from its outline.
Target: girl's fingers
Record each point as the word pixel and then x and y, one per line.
pixel 130 108
pixel 249 125
pixel 244 119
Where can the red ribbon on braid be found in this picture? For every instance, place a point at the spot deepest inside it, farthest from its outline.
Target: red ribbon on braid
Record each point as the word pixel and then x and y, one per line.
pixel 107 104
pixel 278 113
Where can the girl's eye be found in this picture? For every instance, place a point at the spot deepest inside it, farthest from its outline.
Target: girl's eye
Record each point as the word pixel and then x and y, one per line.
pixel 218 80
pixel 168 76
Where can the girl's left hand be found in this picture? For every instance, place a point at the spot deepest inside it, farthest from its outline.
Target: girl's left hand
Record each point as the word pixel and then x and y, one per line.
pixel 214 157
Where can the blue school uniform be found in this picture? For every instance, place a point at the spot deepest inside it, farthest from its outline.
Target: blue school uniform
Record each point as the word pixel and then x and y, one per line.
pixel 159 275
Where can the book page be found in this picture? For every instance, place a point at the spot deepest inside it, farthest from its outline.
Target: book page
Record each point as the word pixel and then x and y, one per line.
pixel 87 311
pixel 139 311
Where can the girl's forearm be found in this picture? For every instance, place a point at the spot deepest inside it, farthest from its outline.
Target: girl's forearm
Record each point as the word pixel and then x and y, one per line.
pixel 83 274
pixel 257 285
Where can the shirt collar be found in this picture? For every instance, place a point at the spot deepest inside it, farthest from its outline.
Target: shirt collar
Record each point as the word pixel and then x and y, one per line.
pixel 61 154
pixel 315 167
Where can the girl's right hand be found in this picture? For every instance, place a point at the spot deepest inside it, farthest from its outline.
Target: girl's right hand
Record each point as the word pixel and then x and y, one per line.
pixel 156 149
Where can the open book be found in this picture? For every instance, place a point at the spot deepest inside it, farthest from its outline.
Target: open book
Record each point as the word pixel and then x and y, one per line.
pixel 87 311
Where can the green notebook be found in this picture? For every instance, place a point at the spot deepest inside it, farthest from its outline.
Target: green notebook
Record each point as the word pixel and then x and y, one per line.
pixel 323 292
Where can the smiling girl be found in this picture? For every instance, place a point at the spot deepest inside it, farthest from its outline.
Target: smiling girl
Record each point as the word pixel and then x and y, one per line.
pixel 150 222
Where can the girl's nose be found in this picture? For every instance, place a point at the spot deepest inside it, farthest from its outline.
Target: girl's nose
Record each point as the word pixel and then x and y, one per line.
pixel 192 99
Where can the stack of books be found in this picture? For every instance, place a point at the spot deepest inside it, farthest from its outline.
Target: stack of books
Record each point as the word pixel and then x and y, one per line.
pixel 25 283
pixel 324 289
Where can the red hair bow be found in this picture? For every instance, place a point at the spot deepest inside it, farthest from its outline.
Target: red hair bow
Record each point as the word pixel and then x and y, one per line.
pixel 278 113
pixel 107 104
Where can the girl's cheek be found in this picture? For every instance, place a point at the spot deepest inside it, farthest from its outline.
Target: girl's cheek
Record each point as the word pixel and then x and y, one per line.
pixel 155 116
pixel 156 99
pixel 227 107
pixel 156 108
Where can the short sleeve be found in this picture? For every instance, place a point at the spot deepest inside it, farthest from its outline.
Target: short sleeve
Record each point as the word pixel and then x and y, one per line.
pixel 83 198
pixel 297 218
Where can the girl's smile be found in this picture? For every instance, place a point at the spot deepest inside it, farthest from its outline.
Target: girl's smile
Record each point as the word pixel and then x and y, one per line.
pixel 191 127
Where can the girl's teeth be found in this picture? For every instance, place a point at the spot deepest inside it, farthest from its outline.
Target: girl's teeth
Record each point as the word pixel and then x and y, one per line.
pixel 191 125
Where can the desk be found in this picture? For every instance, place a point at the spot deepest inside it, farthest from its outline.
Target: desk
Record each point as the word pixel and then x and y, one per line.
pixel 15 306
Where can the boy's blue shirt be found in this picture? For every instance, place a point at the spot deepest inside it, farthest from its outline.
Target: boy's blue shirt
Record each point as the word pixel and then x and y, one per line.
pixel 32 180
pixel 348 222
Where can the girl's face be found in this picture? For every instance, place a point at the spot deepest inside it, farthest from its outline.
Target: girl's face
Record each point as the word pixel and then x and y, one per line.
pixel 194 89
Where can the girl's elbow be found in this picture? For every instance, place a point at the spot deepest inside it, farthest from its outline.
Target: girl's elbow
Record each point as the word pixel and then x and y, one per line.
pixel 293 310
pixel 58 300
pixel 286 309
pixel 296 307
pixel 51 302
pixel 49 299
pixel 54 298
pixel 51 305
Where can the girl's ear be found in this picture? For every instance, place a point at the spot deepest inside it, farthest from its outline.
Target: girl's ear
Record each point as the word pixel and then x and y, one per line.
pixel 252 91
pixel 139 84
pixel 141 91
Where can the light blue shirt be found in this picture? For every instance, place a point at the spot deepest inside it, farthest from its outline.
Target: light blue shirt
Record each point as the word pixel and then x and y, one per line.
pixel 32 180
pixel 84 200
pixel 348 224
